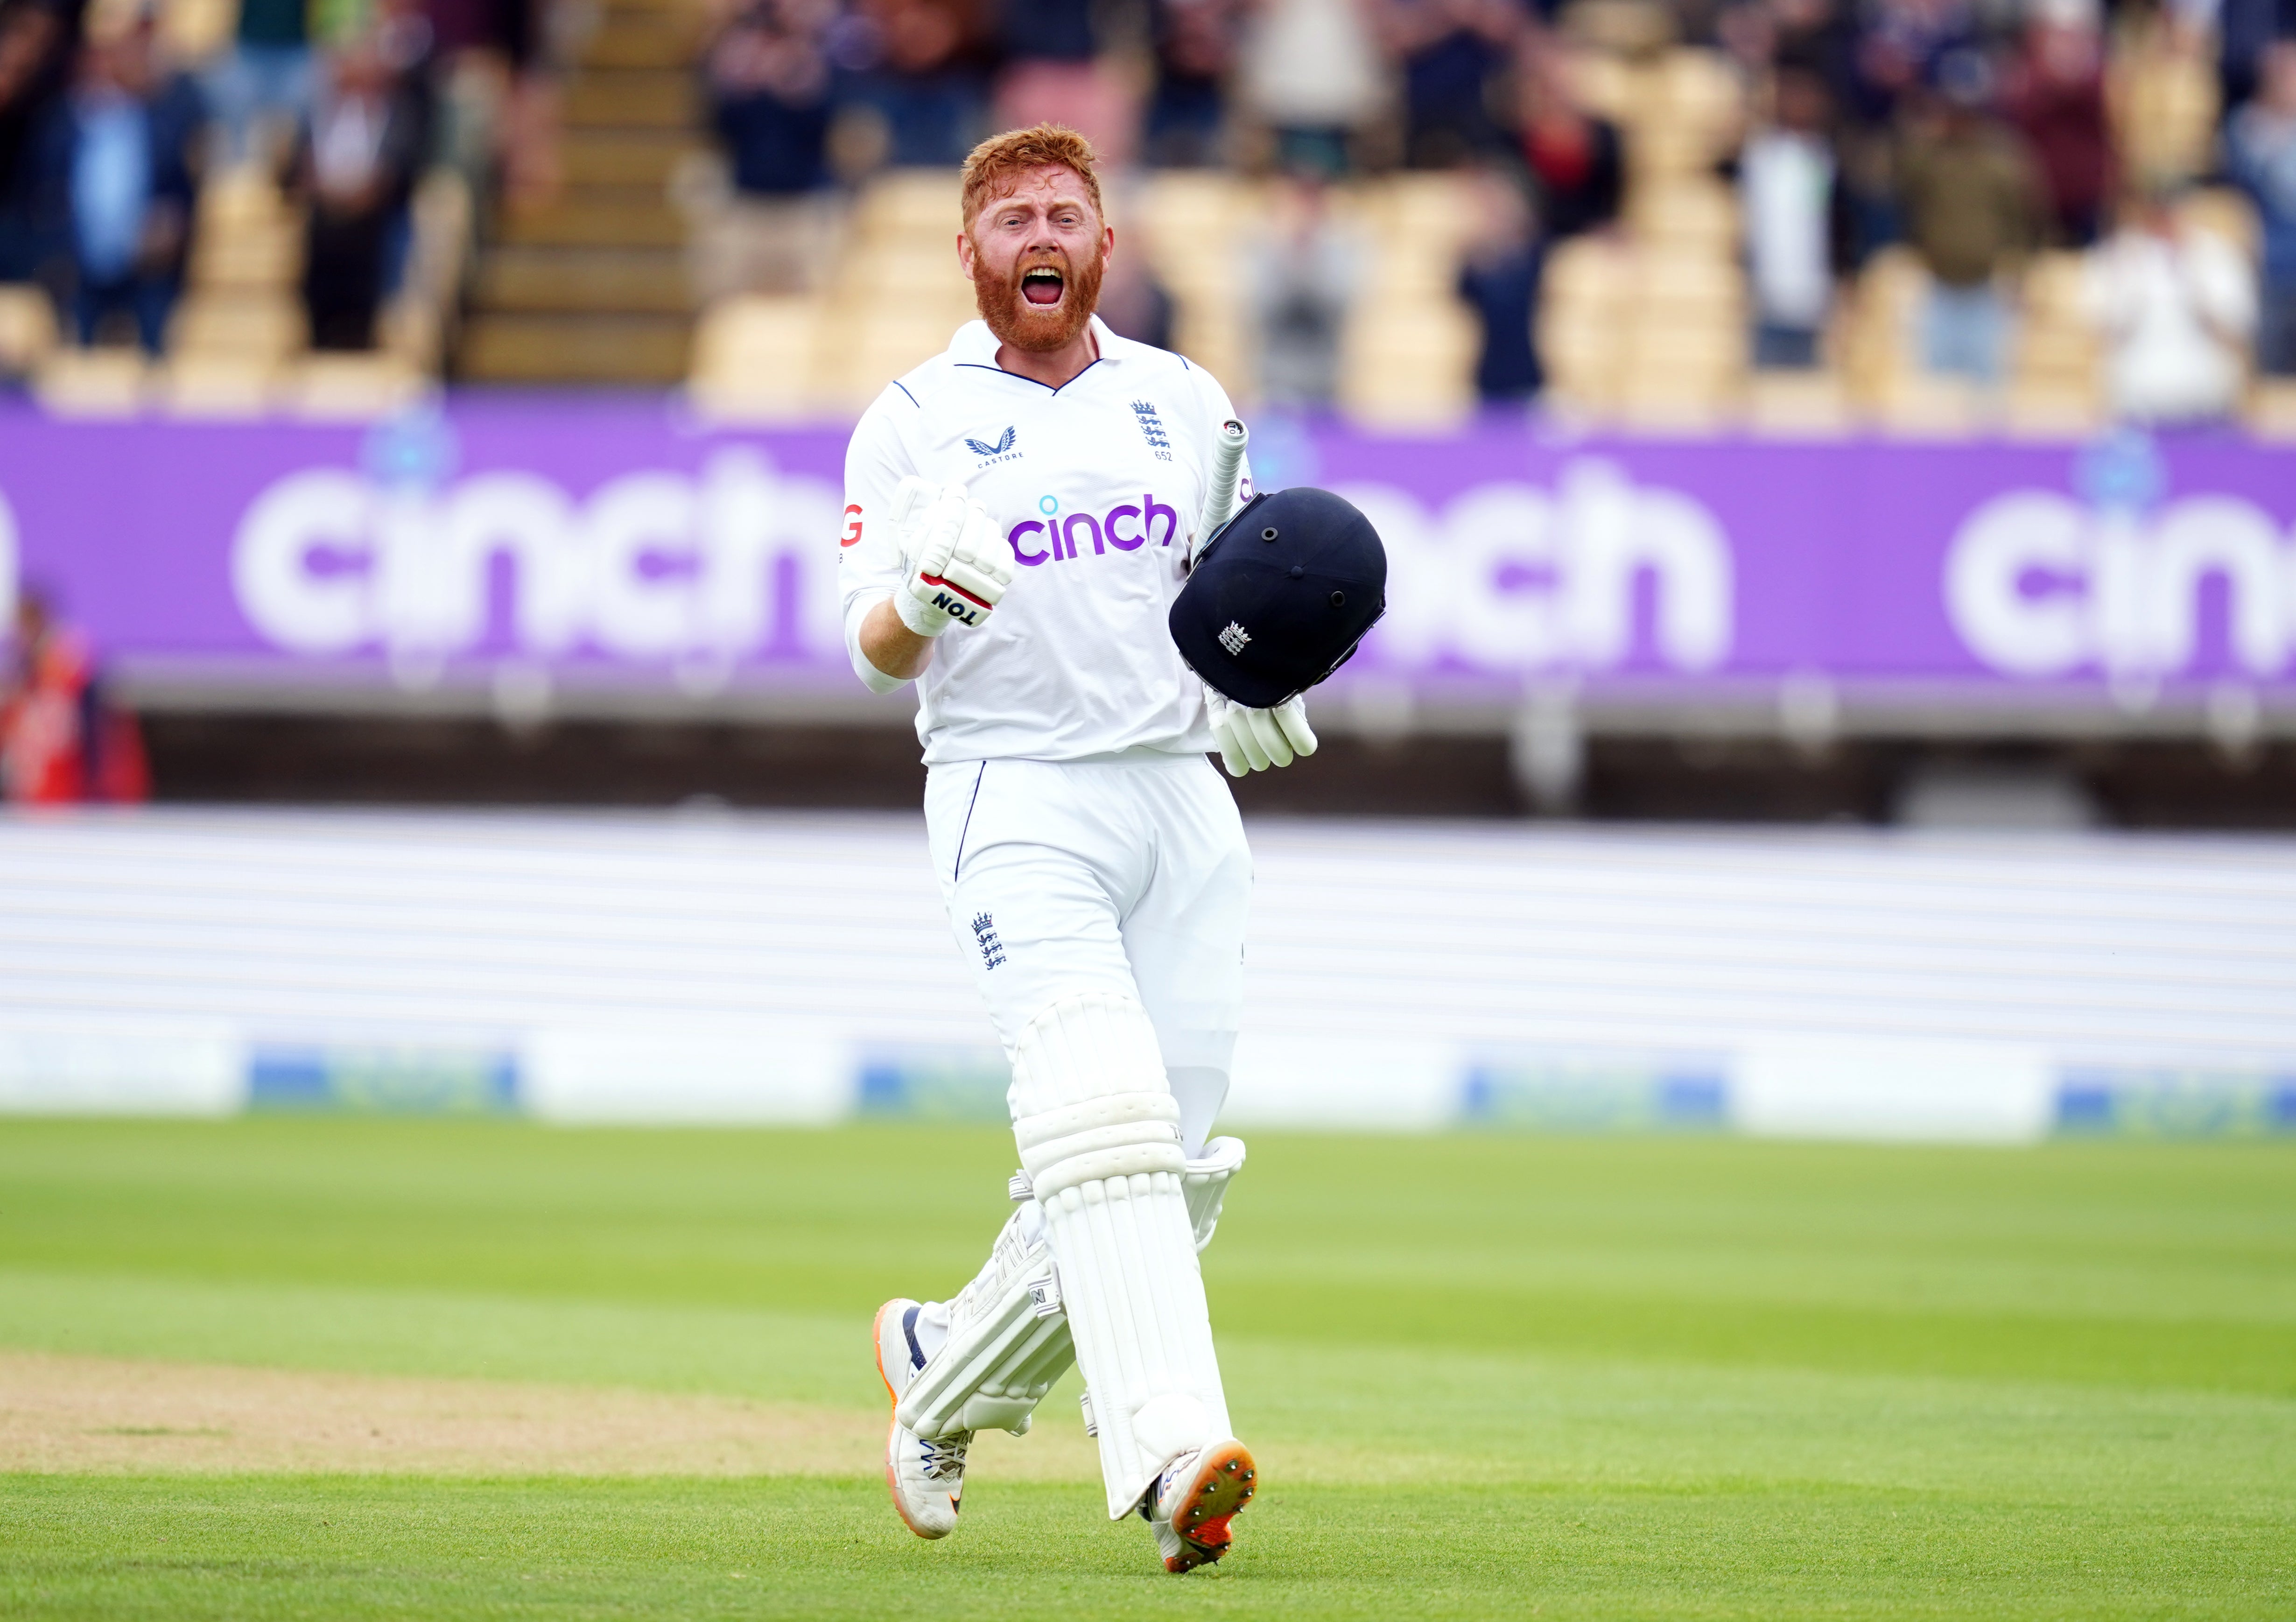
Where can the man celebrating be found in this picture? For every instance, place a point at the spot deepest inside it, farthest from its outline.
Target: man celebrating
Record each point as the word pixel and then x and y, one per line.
pixel 1021 511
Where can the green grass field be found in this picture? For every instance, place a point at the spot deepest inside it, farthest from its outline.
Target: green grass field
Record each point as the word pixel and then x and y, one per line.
pixel 1486 1376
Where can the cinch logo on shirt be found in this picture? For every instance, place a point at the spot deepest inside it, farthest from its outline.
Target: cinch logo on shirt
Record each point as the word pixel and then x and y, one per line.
pixel 1125 527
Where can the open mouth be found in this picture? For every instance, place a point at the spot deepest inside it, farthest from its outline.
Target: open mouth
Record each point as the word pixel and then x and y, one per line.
pixel 1042 286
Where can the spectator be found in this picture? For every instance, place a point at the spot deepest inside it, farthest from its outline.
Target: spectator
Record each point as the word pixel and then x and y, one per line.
pixel 1796 217
pixel 262 87
pixel 117 158
pixel 1195 53
pixel 1301 277
pixel 915 65
pixel 2177 307
pixel 767 74
pixel 2260 150
pixel 1747 31
pixel 35 64
pixel 360 156
pixel 503 30
pixel 2055 94
pixel 1573 155
pixel 1820 38
pixel 1816 34
pixel 1132 302
pixel 1450 51
pixel 1312 74
pixel 1905 45
pixel 1973 211
pixel 498 123
pixel 60 743
pixel 2245 31
pixel 1897 47
pixel 1500 282
pixel 1053 74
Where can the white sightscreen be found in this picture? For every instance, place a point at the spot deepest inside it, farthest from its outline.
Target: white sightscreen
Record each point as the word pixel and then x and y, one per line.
pixel 797 968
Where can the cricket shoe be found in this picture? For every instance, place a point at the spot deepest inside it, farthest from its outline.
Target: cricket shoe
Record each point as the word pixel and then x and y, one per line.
pixel 926 1478
pixel 1196 1499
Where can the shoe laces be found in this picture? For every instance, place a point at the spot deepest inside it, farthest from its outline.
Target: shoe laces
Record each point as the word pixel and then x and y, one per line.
pixel 943 1461
pixel 1151 1505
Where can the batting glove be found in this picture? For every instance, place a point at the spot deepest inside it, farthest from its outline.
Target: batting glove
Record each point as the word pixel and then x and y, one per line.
pixel 959 566
pixel 1253 740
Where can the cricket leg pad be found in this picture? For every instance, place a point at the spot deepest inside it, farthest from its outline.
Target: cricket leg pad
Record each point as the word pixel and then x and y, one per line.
pixel 1099 1138
pixel 1008 1341
pixel 1008 1332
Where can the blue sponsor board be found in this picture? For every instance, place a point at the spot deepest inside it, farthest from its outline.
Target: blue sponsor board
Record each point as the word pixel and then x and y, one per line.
pixel 2165 1102
pixel 383 1080
pixel 934 1084
pixel 1597 1094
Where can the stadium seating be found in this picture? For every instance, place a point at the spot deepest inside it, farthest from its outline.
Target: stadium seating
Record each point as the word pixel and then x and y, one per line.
pixel 1645 327
pixel 236 345
pixel 587 282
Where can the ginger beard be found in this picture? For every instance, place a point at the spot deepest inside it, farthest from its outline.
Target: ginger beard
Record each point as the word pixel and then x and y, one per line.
pixel 1051 320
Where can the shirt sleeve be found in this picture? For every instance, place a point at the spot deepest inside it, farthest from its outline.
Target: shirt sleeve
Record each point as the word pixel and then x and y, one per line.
pixel 868 561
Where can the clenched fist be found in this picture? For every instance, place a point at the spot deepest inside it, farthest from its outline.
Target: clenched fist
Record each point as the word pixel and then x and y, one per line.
pixel 958 565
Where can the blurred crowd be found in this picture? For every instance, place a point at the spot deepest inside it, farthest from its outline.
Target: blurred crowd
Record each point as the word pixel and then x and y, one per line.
pixel 108 131
pixel 1973 135
pixel 1976 133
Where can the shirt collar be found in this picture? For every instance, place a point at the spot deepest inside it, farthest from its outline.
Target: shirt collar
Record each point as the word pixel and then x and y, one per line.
pixel 975 345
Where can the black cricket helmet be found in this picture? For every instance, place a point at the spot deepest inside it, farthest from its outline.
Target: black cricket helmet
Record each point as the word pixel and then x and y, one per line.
pixel 1280 595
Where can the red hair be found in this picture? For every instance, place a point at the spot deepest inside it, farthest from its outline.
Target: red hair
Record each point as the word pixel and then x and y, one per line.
pixel 993 166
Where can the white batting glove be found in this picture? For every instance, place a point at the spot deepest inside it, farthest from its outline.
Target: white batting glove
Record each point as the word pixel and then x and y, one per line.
pixel 958 565
pixel 1253 740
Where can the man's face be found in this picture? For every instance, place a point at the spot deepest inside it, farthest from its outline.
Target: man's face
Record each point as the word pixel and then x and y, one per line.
pixel 1036 256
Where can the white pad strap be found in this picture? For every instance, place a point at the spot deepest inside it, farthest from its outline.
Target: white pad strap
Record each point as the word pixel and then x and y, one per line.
pixel 1007 1341
pixel 1204 1181
pixel 1099 1136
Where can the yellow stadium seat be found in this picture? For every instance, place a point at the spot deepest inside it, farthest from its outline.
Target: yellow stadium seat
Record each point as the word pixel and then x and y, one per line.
pixel 27 327
pixel 904 202
pixel 196 29
pixel 2051 408
pixel 2056 287
pixel 905 267
pixel 1917 405
pixel 248 258
pixel 351 387
pixel 2272 410
pixel 1585 271
pixel 1608 84
pixel 239 197
pixel 1691 210
pixel 1797 405
pixel 757 357
pixel 92 382
pixel 257 327
pixel 2056 350
pixel 1681 282
pixel 217 384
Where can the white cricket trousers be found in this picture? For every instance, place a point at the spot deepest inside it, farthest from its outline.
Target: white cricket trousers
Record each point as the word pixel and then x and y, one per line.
pixel 1126 874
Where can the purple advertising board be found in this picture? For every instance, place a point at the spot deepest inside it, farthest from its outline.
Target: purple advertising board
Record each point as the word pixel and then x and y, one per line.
pixel 619 538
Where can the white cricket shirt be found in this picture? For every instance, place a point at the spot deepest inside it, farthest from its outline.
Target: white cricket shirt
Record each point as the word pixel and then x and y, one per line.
pixel 1098 486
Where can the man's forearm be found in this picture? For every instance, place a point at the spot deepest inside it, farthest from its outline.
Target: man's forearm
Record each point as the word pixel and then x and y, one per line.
pixel 891 646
